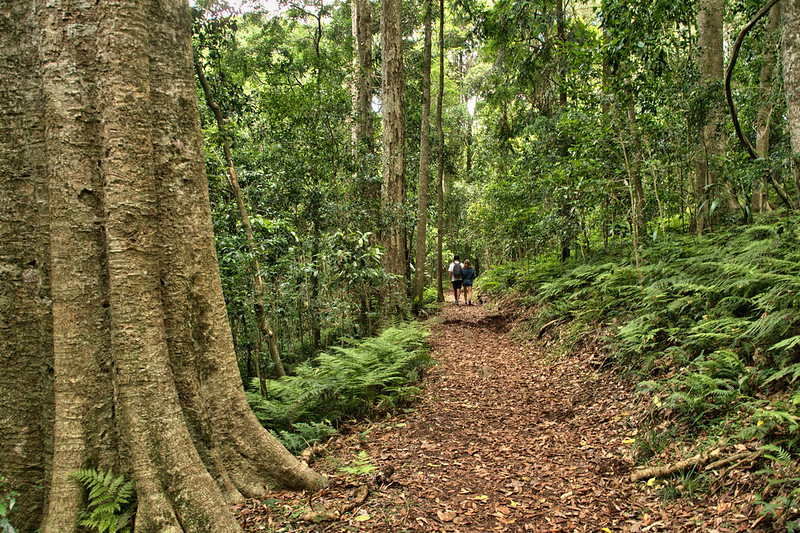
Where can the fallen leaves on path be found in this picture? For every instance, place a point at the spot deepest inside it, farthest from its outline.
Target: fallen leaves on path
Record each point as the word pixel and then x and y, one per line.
pixel 505 437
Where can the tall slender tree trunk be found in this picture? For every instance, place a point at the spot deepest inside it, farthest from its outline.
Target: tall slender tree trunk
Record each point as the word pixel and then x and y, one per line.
pixel 760 198
pixel 561 34
pixel 566 209
pixel 637 188
pixel 256 281
pixel 440 166
pixel 117 349
pixel 708 190
pixel 790 47
pixel 367 184
pixel 361 18
pixel 316 261
pixel 393 192
pixel 424 159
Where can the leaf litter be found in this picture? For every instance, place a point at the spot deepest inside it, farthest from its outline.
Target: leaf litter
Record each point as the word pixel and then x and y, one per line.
pixel 506 436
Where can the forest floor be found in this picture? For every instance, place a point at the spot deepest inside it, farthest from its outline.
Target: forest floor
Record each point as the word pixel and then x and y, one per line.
pixel 506 436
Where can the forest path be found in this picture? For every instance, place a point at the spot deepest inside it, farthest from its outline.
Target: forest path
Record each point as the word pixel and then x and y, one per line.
pixel 505 437
pixel 505 440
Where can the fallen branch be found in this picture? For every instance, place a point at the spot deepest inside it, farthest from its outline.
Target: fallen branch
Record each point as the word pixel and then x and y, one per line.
pixel 669 470
pixel 325 515
pixel 737 460
pixel 744 456
pixel 558 321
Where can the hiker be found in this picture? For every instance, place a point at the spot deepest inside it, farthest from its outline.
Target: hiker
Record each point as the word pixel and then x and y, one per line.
pixel 467 277
pixel 455 276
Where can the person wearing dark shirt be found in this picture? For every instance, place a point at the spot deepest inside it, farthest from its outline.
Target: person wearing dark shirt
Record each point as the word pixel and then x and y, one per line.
pixel 455 277
pixel 467 277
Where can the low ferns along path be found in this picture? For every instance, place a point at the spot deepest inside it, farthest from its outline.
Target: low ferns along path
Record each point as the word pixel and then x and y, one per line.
pixel 506 436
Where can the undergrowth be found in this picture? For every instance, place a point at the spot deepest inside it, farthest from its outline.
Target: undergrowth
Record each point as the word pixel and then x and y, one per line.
pixel 111 501
pixel 710 325
pixel 8 498
pixel 365 378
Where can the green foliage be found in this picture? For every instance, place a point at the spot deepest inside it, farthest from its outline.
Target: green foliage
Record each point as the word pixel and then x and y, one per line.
pixel 302 434
pixel 368 376
pixel 8 498
pixel 781 498
pixel 689 484
pixel 111 501
pixel 711 327
pixel 361 465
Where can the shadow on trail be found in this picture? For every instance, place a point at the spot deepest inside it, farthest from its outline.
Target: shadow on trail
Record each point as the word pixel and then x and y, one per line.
pixel 498 324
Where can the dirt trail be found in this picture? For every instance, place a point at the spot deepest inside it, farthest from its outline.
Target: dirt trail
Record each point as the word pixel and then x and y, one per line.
pixel 504 438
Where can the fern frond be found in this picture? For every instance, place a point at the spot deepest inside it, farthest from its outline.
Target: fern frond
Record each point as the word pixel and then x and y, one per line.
pixel 111 501
pixel 792 371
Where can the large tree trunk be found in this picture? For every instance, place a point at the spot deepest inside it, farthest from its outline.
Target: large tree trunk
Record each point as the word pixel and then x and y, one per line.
pixel 394 176
pixel 424 160
pixel 440 167
pixel 790 46
pixel 112 315
pixel 253 265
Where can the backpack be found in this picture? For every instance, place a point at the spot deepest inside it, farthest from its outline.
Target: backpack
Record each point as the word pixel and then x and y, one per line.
pixel 457 272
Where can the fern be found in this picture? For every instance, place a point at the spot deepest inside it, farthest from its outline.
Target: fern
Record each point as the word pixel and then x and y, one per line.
pixel 787 344
pixel 792 372
pixel 305 435
pixel 111 501
pixel 361 465
pixel 358 380
pixel 711 327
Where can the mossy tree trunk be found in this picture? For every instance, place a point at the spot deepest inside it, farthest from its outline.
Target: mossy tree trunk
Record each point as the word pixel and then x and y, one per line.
pixel 367 186
pixel 440 167
pixel 113 322
pixel 393 192
pixel 790 48
pixel 424 159
pixel 711 194
pixel 760 198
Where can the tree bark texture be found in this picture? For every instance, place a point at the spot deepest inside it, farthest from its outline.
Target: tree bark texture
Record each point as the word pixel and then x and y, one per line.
pixel 440 167
pixel 361 18
pixel 639 218
pixel 393 192
pixel 367 186
pixel 112 319
pixel 790 47
pixel 253 266
pixel 424 159
pixel 760 197
pixel 710 61
pixel 561 34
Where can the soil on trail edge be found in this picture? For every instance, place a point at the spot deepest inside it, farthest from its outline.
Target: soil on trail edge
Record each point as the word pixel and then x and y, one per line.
pixel 504 437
